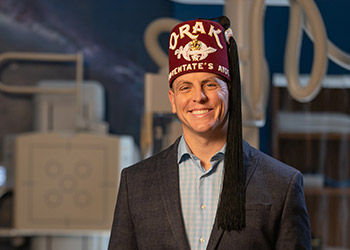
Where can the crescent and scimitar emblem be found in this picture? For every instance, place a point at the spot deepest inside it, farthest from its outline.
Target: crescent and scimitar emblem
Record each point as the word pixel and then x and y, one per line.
pixel 194 51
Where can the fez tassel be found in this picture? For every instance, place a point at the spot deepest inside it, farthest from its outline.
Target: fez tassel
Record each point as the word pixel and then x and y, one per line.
pixel 231 209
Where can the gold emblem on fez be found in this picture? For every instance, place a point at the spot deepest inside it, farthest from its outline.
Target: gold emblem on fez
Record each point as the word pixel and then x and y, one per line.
pixel 195 45
pixel 195 50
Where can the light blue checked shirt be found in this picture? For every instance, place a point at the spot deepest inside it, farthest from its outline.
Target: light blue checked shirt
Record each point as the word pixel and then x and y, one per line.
pixel 200 191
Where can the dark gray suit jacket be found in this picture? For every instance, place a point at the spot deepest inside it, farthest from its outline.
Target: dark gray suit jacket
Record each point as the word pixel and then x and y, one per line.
pixel 148 212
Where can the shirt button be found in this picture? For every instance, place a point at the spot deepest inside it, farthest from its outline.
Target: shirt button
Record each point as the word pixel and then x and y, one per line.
pixel 202 240
pixel 203 207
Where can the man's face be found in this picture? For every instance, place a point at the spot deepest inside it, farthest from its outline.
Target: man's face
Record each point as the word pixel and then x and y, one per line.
pixel 200 100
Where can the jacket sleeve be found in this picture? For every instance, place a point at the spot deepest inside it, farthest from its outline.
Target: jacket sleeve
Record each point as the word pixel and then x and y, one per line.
pixel 294 233
pixel 122 234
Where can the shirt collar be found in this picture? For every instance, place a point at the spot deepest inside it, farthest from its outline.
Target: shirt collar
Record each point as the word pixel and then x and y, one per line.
pixel 184 152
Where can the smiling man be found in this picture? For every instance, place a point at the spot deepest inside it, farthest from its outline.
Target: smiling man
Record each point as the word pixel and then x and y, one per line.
pixel 210 189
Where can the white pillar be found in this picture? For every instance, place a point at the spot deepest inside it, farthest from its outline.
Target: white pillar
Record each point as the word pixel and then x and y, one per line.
pixel 239 11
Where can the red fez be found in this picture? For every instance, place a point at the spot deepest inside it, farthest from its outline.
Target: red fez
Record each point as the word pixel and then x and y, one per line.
pixel 198 46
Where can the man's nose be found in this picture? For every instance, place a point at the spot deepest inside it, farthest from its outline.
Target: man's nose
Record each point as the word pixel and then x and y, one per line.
pixel 199 95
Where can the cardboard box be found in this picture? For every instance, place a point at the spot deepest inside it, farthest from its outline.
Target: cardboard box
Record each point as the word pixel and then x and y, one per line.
pixel 68 181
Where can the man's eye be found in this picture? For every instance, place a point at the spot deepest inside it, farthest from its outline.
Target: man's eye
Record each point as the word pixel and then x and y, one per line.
pixel 211 85
pixel 183 88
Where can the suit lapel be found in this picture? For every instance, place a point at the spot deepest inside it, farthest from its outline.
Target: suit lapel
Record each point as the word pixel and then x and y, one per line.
pixel 215 236
pixel 168 173
pixel 250 163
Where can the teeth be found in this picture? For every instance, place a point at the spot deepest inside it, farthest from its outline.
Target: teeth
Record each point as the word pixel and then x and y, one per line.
pixel 199 112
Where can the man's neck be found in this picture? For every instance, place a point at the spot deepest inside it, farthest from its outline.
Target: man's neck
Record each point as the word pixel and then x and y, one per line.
pixel 204 147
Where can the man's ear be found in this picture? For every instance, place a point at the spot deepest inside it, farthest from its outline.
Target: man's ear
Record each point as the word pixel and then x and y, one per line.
pixel 172 101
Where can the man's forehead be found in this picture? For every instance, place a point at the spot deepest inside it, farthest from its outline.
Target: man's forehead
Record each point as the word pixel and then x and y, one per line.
pixel 198 76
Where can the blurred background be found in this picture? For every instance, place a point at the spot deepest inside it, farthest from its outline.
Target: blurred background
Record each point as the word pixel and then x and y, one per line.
pixel 83 93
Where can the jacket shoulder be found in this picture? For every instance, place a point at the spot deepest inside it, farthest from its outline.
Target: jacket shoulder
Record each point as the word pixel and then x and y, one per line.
pixel 267 164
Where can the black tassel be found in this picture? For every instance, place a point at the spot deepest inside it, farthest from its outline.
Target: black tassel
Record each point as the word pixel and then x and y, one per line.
pixel 231 209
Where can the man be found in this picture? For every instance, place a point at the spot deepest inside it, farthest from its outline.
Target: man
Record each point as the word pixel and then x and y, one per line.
pixel 210 189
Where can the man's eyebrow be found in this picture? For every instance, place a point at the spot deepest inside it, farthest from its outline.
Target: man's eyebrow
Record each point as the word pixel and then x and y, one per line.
pixel 183 82
pixel 212 78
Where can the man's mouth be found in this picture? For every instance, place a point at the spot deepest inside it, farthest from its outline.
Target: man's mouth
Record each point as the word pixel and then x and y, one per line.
pixel 200 111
